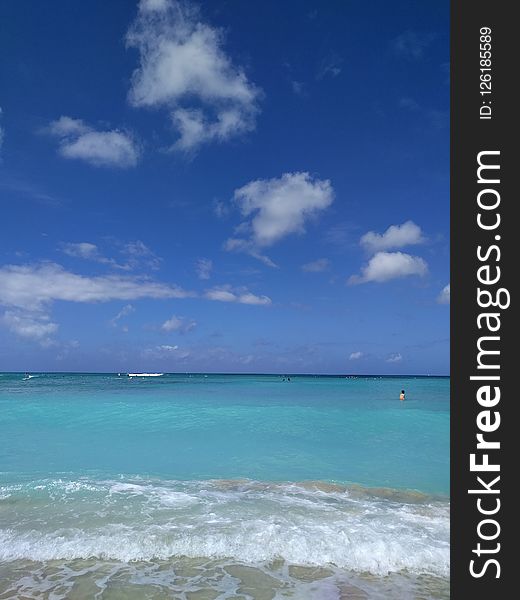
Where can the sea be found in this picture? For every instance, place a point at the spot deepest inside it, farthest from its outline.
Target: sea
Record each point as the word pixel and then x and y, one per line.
pixel 204 487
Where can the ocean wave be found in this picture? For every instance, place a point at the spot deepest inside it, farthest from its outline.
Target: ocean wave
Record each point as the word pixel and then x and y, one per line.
pixel 308 523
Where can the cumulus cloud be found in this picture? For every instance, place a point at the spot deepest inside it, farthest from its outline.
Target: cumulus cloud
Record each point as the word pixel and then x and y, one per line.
pixel 396 236
pixel 316 266
pixel 184 69
pixel 276 208
pixel 77 140
pixel 444 296
pixel 241 296
pixel 203 268
pixel 178 324
pixel 385 266
pixel 394 358
pixel 356 356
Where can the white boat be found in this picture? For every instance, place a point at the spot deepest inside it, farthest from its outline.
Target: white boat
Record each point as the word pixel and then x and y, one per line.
pixel 145 374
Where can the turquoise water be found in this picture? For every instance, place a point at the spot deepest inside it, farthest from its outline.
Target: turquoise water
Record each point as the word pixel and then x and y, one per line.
pixel 114 481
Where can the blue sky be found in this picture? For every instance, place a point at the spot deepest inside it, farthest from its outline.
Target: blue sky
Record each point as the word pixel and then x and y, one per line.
pixel 228 187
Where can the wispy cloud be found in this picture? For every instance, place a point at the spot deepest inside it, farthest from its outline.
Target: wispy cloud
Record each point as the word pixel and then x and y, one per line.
pixel 438 119
pixel 26 190
pixel 86 251
pixel 36 286
pixel 412 45
pixel 166 351
pixel 128 309
pixel 276 208
pixel 444 295
pixel 226 293
pixel 133 255
pixel 221 209
pixel 203 268
pixel 184 69
pixel 298 87
pixel 138 254
pixel 356 355
pixel 341 235
pixel 396 236
pixel 409 104
pixel 28 292
pixel 330 66
pixel 316 266
pixel 77 140
pixel 394 358
pixel 30 325
pixel 385 266
pixel 178 324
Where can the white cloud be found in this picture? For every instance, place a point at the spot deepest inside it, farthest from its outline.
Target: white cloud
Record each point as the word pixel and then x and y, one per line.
pixel 396 236
pixel 227 294
pixel 36 286
pixel 247 246
pixel 27 292
pixel 394 358
pixel 179 324
pixel 220 209
pixel 444 296
pixel 330 66
pixel 135 254
pixel 153 5
pixel 165 351
pixel 124 312
pixel 82 250
pixel 298 87
pixel 356 356
pixel 385 266
pixel 31 325
pixel 412 44
pixel 316 266
pixel 102 148
pixel 203 268
pixel 276 208
pixel 139 255
pixel 99 148
pixel 67 126
pixel 184 69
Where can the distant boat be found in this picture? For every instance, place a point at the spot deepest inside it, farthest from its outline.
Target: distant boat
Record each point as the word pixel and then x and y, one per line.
pixel 145 374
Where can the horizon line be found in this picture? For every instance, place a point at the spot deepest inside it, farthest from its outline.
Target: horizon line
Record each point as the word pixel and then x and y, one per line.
pixel 281 374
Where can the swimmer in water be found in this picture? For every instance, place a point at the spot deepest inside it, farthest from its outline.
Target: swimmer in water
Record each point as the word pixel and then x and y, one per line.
pixel 401 395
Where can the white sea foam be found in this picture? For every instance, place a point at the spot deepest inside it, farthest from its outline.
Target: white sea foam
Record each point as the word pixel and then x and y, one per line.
pixel 251 522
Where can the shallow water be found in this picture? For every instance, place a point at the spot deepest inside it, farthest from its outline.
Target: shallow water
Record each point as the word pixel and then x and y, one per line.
pixel 223 487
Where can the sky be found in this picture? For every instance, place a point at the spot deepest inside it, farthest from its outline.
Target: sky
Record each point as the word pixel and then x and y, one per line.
pixel 224 187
